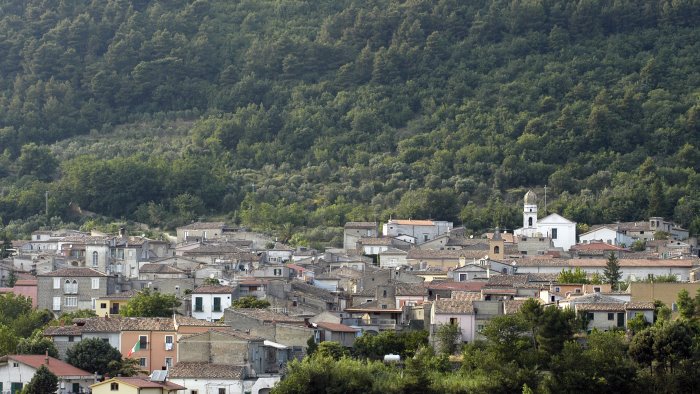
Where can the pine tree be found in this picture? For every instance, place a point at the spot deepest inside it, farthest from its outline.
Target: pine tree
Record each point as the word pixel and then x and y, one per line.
pixel 612 273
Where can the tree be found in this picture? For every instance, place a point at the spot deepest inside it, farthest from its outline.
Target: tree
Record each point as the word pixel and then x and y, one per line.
pixel 93 355
pixel 211 282
pixel 44 381
pixel 507 336
pixel 8 340
pixel 311 346
pixel 250 302
pixel 611 272
pixel 11 279
pixel 125 367
pixel 37 344
pixel 331 349
pixel 36 160
pixel 572 276
pixel 151 304
pixel 448 336
pixel 67 317
pixel 686 305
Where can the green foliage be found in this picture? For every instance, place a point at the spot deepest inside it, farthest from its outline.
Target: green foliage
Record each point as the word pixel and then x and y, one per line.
pixel 330 349
pixel 43 381
pixel 150 304
pixel 125 367
pixel 250 302
pixel 448 337
pixel 67 317
pixel 639 245
pixel 611 272
pixel 211 282
pixel 375 347
pixel 16 313
pixel 8 340
pixel 37 344
pixel 576 275
pixel 311 346
pixel 349 110
pixel 93 355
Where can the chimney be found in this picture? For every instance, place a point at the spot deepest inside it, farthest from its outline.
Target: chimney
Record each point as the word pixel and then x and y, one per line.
pixel 47 357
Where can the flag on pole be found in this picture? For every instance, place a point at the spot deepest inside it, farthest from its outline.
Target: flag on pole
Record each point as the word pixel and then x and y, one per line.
pixel 136 347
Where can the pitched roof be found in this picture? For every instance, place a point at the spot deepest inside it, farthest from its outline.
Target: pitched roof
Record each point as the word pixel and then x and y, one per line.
pixel 213 289
pixel 207 371
pixel 192 322
pixel 71 272
pixel 597 246
pixel 300 287
pixel 203 226
pixel 410 222
pixel 682 263
pixel 449 306
pixel 466 295
pixel 602 306
pixel 361 225
pixel 336 327
pixel 512 306
pixel 150 268
pixel 507 280
pixel 57 367
pixel 142 383
pixel 374 241
pixel 266 315
pixel 449 285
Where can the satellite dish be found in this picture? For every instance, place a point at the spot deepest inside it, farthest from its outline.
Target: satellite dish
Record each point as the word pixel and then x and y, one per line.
pixel 211 276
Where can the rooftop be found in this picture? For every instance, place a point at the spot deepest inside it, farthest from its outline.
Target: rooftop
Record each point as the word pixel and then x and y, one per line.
pixel 142 383
pixel 203 226
pixel 336 327
pixel 449 306
pixel 213 289
pixel 74 272
pixel 361 225
pixel 57 367
pixel 207 371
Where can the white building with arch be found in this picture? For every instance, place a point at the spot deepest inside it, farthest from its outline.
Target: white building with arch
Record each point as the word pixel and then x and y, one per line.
pixel 561 230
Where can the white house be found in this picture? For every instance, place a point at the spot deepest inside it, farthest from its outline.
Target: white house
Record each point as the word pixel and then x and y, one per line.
pixel 561 230
pixel 448 311
pixel 631 269
pixel 607 235
pixel 392 258
pixel 18 370
pixel 420 230
pixel 209 302
pixel 203 378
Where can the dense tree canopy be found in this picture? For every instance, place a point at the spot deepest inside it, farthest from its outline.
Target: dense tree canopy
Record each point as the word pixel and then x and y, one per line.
pixel 151 304
pixel 348 110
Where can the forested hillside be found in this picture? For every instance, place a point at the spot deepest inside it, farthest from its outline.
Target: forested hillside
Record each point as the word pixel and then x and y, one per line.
pixel 289 114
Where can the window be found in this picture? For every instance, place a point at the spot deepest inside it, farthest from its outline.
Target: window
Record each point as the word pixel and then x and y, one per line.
pixel 384 306
pixel 94 259
pixel 462 277
pixel 217 304
pixel 114 386
pixel 168 342
pixel 590 316
pixel 453 320
pixel 95 283
pixel 222 391
pixel 529 222
pixel 71 338
pixel 71 301
pixel 169 362
pixel 554 233
pixel 56 283
pixel 194 392
pixel 384 293
pixel 57 303
pixel 70 287
pixel 496 250
pixel 611 316
pixel 479 327
pixel 103 305
pixel 596 289
pixel 557 289
pixel 278 272
pixel 198 304
pixel 143 342
pixel 577 291
pixel 142 362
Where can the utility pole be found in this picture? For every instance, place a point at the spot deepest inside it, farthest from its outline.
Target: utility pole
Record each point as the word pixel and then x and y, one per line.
pixel 46 203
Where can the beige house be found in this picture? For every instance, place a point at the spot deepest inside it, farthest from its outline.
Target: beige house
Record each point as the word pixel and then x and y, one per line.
pixel 133 385
pixel 200 231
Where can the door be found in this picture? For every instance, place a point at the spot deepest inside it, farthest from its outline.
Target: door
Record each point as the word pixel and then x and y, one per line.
pixel 621 319
pixel 15 387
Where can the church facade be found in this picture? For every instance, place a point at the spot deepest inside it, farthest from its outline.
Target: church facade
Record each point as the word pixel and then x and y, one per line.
pixel 561 230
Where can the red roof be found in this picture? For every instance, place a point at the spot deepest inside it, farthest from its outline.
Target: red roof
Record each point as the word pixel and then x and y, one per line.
pixel 143 383
pixel 597 246
pixel 336 327
pixel 56 366
pixel 449 285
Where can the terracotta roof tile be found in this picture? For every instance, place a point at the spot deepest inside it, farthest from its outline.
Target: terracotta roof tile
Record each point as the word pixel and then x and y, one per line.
pixel 143 383
pixel 267 315
pixel 361 225
pixel 70 272
pixel 57 367
pixel 410 222
pixel 207 371
pixel 213 289
pixel 337 327
pixel 159 269
pixel 448 306
pixel 203 226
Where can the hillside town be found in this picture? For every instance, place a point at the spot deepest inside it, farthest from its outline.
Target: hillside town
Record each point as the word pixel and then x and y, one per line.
pixel 402 275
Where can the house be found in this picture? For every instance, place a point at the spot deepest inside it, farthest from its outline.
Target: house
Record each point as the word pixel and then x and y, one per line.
pixel 209 302
pixel 23 287
pixel 18 369
pixel 64 337
pixel 561 291
pixel 336 332
pixel 273 326
pixel 608 234
pixel 421 230
pixel 113 303
pixel 201 231
pixel 561 230
pixel 135 385
pixel 251 287
pixel 279 253
pixel 447 311
pixel 392 258
pixel 272 271
pixel 664 292
pixel 71 289
pixel 631 269
pixel 205 377
pixel 229 347
pixel 608 316
pixel 445 259
pixel 596 249
pixel 353 231
pixel 471 272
